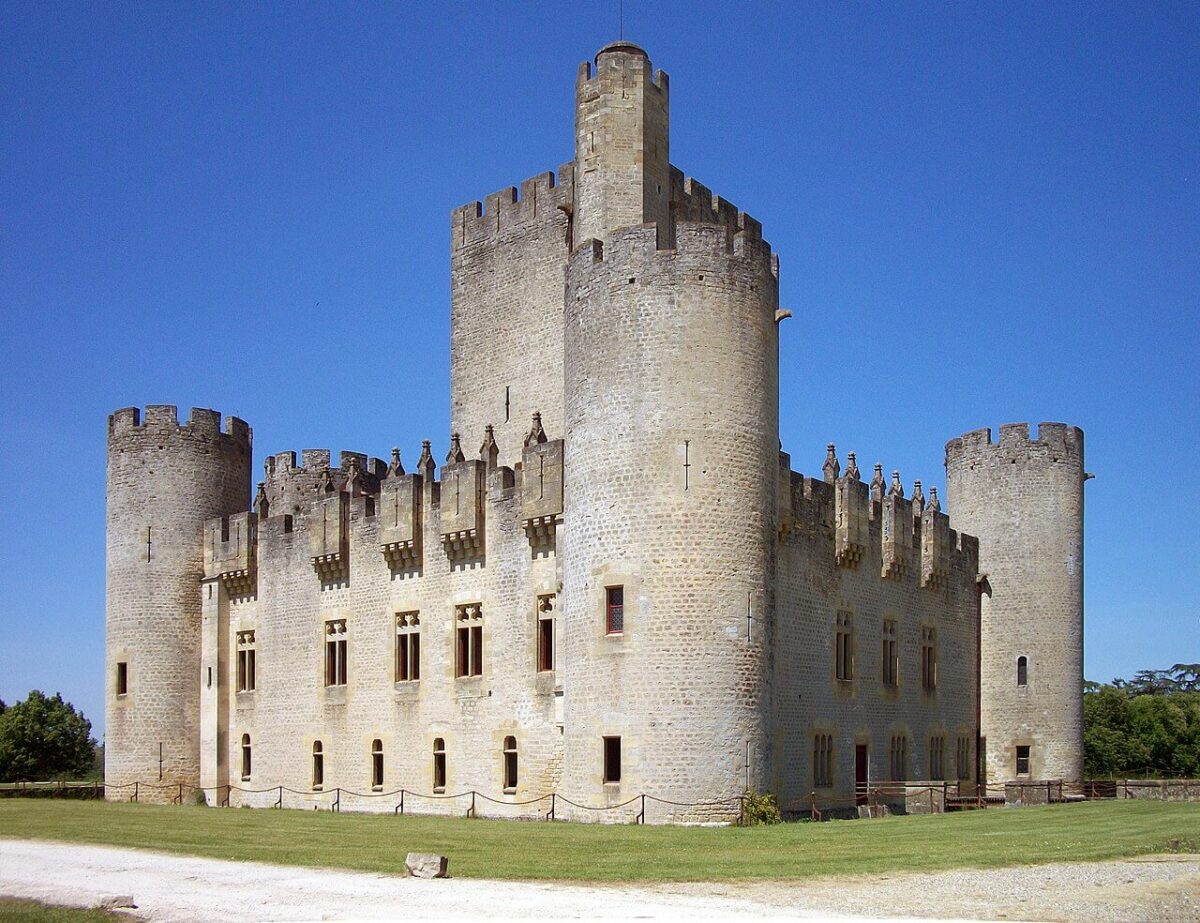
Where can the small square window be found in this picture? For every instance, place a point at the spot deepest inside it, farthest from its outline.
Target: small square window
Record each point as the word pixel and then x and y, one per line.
pixel 1023 760
pixel 612 759
pixel 614 610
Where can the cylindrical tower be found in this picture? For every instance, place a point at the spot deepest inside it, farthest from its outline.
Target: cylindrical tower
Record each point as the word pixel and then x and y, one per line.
pixel 164 481
pixel 670 468
pixel 1023 498
pixel 622 153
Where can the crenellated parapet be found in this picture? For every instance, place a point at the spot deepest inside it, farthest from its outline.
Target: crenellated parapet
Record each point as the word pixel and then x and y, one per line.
pixel 692 201
pixel 163 419
pixel 696 246
pixel 289 488
pixel 542 200
pixel 231 552
pixel 912 537
pixel 1055 444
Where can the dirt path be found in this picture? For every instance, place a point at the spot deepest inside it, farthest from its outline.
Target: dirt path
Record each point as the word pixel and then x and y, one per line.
pixel 179 888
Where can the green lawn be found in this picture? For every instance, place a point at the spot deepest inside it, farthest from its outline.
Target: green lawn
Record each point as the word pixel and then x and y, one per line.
pixel 537 849
pixel 17 911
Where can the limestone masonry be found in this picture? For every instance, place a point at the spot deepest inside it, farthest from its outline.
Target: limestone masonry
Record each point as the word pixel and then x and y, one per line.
pixel 616 584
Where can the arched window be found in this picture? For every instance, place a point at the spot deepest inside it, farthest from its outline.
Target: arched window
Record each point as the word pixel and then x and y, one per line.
pixel 318 775
pixel 245 757
pixel 377 765
pixel 1022 670
pixel 510 764
pixel 439 764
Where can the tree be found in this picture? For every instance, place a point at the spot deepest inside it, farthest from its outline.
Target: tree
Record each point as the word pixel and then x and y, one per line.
pixel 1147 725
pixel 44 738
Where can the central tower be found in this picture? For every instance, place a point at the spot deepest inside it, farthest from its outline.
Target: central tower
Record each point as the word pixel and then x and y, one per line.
pixel 622 155
pixel 671 459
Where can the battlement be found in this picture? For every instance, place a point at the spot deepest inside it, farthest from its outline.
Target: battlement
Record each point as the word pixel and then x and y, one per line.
pixel 164 418
pixel 658 79
pixel 700 241
pixel 692 201
pixel 1054 442
pixel 908 537
pixel 289 488
pixel 541 199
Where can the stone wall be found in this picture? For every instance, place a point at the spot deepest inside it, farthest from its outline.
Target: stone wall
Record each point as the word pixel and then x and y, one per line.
pixel 291 707
pixel 507 258
pixel 820 577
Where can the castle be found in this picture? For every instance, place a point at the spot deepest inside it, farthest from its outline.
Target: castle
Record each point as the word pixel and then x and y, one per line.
pixel 625 588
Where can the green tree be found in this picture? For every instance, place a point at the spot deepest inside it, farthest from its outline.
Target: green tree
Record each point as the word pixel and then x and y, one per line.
pixel 44 738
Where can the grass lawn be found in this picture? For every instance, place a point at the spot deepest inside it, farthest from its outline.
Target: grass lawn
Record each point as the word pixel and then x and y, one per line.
pixel 532 849
pixel 17 911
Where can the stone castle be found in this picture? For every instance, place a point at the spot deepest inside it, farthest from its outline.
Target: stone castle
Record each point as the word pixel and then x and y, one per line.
pixel 626 589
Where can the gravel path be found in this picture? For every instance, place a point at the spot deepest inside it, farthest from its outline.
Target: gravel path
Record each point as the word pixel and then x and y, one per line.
pixel 183 888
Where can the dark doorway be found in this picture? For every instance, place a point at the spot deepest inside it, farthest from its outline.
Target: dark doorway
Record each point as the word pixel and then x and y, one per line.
pixel 860 774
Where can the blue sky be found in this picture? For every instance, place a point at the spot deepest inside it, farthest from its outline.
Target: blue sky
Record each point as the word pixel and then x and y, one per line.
pixel 985 213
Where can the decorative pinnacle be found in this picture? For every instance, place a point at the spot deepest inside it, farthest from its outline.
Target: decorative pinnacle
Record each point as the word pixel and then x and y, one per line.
pixel 934 503
pixel 918 498
pixel 456 453
pixel 425 463
pixel 877 486
pixel 897 489
pixel 852 468
pixel 352 484
pixel 326 486
pixel 489 452
pixel 395 469
pixel 260 500
pixel 831 467
pixel 536 435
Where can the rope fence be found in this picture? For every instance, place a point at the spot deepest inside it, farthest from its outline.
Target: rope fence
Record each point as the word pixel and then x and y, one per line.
pixel 910 797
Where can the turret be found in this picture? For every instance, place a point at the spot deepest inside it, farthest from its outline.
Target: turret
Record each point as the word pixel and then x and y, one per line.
pixel 670 469
pixel 164 481
pixel 1023 498
pixel 622 165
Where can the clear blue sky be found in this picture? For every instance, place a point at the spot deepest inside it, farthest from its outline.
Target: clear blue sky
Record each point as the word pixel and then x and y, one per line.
pixel 985 213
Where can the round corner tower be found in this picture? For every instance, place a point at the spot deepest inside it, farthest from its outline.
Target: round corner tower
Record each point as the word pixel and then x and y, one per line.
pixel 1023 499
pixel 670 467
pixel 164 481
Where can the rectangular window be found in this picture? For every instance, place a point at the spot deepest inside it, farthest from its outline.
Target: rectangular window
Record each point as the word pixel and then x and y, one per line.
pixel 844 648
pixel 510 765
pixel 890 655
pixel 614 610
pixel 122 678
pixel 964 757
pixel 822 760
pixel 1023 760
pixel 612 759
pixel 545 633
pixel 937 757
pixel 408 647
pixel 318 766
pixel 439 765
pixel 469 659
pixel 929 659
pixel 899 758
pixel 245 661
pixel 377 765
pixel 335 652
